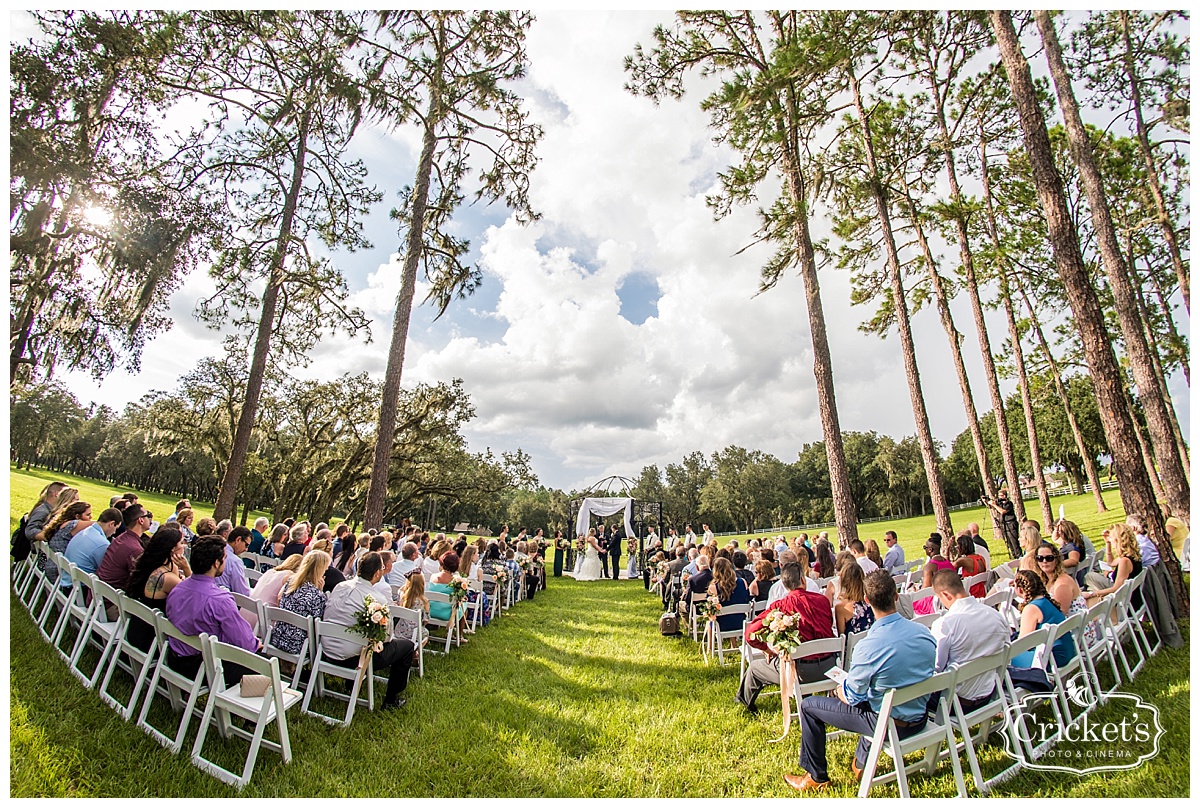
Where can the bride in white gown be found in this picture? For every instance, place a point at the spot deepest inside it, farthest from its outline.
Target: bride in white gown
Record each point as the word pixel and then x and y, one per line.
pixel 592 569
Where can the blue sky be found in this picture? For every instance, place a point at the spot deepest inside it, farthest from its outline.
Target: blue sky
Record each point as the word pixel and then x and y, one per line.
pixel 624 328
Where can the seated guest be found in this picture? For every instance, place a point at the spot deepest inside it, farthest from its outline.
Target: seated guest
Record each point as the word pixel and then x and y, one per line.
pixel 157 571
pixel 473 570
pixel 1031 539
pixel 791 557
pixel 344 603
pixel 1039 609
pixel 895 653
pixel 860 557
pixel 740 561
pixel 873 552
pixel 297 539
pixel 970 563
pixel 981 545
pixel 1070 544
pixel 816 622
pixel 441 583
pixel 269 587
pixel 1062 587
pixel 825 565
pixel 384 588
pixel 412 596
pixel 491 562
pixel 698 583
pixel 302 595
pixel 343 562
pixel 62 527
pixel 409 562
pixel 967 631
pixel 1150 554
pixel 729 590
pixel 197 605
pixel 893 560
pixel 1123 554
pixel 764 579
pixel 88 548
pixel 233 577
pixel 934 561
pixel 121 554
pixel 273 546
pixel 851 611
pixel 258 536
pixel 432 564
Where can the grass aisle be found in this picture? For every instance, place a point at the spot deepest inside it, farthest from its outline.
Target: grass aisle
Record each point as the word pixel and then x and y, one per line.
pixel 572 695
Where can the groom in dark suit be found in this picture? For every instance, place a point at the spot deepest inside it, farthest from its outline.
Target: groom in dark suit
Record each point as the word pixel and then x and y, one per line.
pixel 602 543
pixel 616 538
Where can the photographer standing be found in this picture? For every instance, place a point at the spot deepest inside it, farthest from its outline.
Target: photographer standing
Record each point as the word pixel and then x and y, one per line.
pixel 1003 507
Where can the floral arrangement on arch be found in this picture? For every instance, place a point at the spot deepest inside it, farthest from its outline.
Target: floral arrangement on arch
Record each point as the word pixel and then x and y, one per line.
pixel 373 621
pixel 780 631
pixel 580 543
pixel 458 588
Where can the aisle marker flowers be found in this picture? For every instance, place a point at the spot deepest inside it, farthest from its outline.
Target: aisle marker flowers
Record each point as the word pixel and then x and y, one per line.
pixel 780 631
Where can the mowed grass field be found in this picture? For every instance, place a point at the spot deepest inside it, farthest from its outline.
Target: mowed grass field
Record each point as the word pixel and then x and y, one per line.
pixel 573 694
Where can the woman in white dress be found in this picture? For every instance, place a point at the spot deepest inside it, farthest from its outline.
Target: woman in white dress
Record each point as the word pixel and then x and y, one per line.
pixel 591 570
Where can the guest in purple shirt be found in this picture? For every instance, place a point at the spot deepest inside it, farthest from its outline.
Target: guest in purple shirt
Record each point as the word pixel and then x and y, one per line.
pixel 233 577
pixel 198 605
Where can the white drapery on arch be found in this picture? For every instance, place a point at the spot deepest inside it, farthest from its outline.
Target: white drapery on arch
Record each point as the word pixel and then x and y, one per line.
pixel 604 506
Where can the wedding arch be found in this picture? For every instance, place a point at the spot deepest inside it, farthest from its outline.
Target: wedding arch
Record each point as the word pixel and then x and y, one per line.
pixel 608 497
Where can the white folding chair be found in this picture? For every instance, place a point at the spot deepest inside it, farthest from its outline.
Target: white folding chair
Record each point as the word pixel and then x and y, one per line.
pixel 56 596
pixel 999 599
pixel 496 595
pixel 322 666
pixel 825 645
pixel 887 740
pixel 274 615
pixel 140 664
pixel 1185 557
pixel 451 625
pixel 992 712
pixel 254 611
pixel 169 682
pixel 1124 625
pixel 267 562
pixel 981 578
pixel 852 639
pixel 100 631
pixel 697 597
pixel 417 637
pixel 252 576
pixel 474 609
pixel 224 702
pixel 27 572
pixel 78 609
pixel 1014 696
pixel 927 620
pixel 720 636
pixel 1141 614
pixel 1103 646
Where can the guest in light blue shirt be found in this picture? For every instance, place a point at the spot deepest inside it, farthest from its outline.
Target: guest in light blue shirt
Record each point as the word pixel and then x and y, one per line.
pixel 1150 554
pixel 233 577
pixel 87 547
pixel 893 559
pixel 895 653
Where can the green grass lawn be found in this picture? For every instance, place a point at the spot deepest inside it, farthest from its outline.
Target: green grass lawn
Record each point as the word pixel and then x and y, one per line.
pixel 572 695
pixel 25 485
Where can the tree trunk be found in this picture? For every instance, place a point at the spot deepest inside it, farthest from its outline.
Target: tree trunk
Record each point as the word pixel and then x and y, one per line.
pixel 1035 451
pixel 1010 464
pixel 1158 420
pixel 1089 462
pixel 262 342
pixel 960 368
pixel 1143 139
pixel 1136 492
pixel 390 397
pixel 972 285
pixel 845 511
pixel 933 473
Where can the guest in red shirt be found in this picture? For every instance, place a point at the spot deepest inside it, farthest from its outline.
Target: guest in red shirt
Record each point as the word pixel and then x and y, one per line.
pixel 816 622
